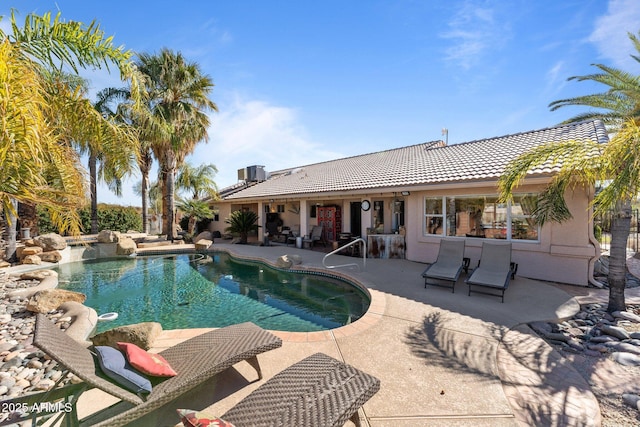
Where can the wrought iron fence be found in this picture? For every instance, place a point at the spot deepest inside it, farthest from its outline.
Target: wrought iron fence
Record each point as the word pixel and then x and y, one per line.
pixel 602 231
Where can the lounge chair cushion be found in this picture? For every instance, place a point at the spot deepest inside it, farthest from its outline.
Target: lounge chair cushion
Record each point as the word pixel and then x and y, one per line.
pixel 191 418
pixel 147 363
pixel 115 366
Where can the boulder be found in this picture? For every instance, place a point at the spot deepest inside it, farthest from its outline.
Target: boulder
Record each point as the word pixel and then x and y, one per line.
pixel 48 280
pixel 108 236
pixel 32 260
pixel 286 261
pixel 126 246
pixel 51 242
pixel 632 317
pixel 52 256
pixel 4 264
pixel 50 299
pixel 203 244
pixel 206 235
pixel 30 250
pixel 39 275
pixel 83 321
pixel 140 334
pixel 615 331
pixel 626 359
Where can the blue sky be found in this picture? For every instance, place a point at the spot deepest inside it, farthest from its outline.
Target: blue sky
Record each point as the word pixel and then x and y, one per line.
pixel 302 82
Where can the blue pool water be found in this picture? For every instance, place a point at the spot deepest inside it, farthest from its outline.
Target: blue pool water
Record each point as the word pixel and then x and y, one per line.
pixel 202 291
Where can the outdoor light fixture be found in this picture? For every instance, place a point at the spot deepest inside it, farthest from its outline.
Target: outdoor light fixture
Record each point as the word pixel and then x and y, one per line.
pixel 405 193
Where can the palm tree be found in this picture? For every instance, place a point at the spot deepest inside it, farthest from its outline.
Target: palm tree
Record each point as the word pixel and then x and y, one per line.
pixel 178 96
pixel 199 180
pixel 242 223
pixel 196 210
pixel 40 114
pixel 587 162
pixel 114 147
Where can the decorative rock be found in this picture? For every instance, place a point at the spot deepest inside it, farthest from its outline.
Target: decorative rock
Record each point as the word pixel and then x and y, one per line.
pixel 51 242
pixel 283 262
pixel 615 331
pixel 38 275
pixel 5 318
pixel 623 346
pixel 3 390
pixel 203 244
pixel 141 334
pixel 108 236
pixel 603 339
pixel 632 400
pixel 34 250
pixel 206 235
pixel 626 316
pixel 635 335
pixel 84 320
pixel 32 260
pixel 286 261
pixel 626 359
pixel 50 299
pixel 52 256
pixel 126 246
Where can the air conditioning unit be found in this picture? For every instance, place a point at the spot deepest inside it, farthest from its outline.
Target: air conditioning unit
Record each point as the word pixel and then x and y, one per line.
pixel 252 174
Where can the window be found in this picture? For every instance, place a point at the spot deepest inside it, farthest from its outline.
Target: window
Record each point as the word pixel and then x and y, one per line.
pixel 482 217
pixel 378 216
pixel 280 208
pixel 433 215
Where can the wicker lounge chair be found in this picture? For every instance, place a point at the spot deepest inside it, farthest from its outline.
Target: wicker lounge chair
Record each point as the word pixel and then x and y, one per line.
pixel 494 269
pixel 317 391
pixel 195 360
pixel 448 265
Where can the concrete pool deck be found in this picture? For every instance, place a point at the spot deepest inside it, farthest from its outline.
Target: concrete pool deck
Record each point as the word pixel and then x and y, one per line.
pixel 443 358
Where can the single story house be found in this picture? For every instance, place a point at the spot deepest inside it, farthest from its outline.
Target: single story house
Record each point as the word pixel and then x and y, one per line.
pixel 405 200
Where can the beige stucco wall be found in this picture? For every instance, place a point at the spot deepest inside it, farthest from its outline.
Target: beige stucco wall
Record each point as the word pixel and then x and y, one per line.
pixel 562 254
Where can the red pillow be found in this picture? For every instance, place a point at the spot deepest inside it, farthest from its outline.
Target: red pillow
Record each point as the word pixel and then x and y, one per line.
pixel 147 363
pixel 191 418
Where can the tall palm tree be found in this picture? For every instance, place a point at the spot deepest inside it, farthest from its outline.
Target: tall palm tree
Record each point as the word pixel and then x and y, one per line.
pixel 179 97
pixel 587 162
pixel 113 146
pixel 40 114
pixel 198 180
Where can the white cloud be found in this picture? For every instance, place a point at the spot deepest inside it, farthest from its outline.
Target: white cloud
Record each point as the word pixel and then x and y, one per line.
pixel 473 30
pixel 610 33
pixel 253 132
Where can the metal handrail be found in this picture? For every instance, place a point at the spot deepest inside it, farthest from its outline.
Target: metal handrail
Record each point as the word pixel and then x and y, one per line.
pixel 364 255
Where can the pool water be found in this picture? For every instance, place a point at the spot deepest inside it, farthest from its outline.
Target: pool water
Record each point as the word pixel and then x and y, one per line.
pixel 202 291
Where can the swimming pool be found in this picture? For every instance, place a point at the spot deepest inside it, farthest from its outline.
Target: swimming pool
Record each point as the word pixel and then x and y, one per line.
pixel 203 291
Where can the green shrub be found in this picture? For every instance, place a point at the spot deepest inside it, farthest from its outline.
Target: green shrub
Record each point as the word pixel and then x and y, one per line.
pixel 110 217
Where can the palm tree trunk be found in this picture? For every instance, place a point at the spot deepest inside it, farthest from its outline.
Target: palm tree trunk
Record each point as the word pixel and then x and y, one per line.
pixel 12 240
pixel 168 196
pixel 93 177
pixel 145 168
pixel 620 228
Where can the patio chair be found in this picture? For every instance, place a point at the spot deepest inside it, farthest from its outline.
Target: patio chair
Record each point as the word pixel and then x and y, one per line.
pixel 195 360
pixel 448 265
pixel 494 269
pixel 293 234
pixel 317 391
pixel 316 236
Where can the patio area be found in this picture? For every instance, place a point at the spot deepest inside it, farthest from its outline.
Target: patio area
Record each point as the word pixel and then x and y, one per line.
pixel 443 358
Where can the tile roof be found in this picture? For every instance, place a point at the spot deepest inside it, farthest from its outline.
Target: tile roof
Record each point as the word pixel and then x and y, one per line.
pixel 426 163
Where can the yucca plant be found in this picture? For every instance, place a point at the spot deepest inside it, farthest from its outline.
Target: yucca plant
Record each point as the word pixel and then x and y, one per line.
pixel 242 223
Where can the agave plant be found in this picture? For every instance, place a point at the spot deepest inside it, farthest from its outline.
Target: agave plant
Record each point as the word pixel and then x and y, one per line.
pixel 242 223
